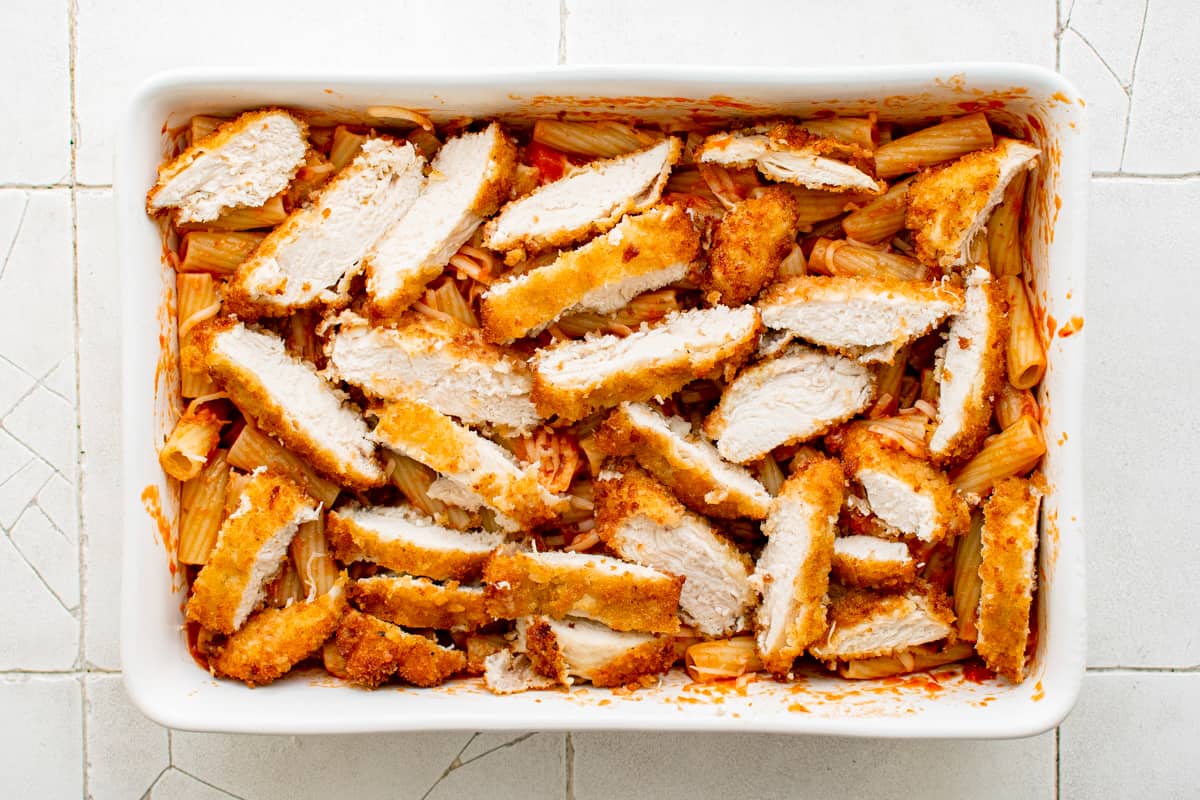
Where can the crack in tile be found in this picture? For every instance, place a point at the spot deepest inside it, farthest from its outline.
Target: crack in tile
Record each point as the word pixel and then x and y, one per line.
pixel 149 789
pixel 522 738
pixel 1127 88
pixel 569 756
pixel 454 764
pixel 1137 54
pixel 73 611
pixel 12 245
pixel 206 783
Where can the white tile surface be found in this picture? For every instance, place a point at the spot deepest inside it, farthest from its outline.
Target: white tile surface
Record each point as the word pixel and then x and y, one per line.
pixel 1107 100
pixel 692 765
pixel 41 742
pixel 35 94
pixel 1141 501
pixel 112 60
pixel 1132 735
pixel 125 751
pixel 799 34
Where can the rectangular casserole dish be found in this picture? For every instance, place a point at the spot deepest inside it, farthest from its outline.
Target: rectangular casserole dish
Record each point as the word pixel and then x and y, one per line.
pixel 164 681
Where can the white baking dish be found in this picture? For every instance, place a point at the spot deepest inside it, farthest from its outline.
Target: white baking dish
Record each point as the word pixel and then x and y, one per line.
pixel 169 687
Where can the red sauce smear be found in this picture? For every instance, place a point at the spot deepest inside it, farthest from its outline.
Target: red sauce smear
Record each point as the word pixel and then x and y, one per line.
pixel 1071 328
pixel 1038 692
pixel 153 505
pixel 976 673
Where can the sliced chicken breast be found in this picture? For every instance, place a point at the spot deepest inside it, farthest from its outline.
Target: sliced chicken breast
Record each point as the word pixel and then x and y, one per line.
pixel 403 539
pixel 420 603
pixel 689 464
pixel 792 573
pixel 749 243
pixel 871 562
pixel 790 154
pixel 641 521
pixel 573 648
pixel 506 672
pixel 251 546
pixel 589 200
pixel 623 596
pixel 310 258
pixel 286 397
pixel 643 252
pixel 572 379
pixel 468 180
pixel 445 365
pixel 796 396
pixel 864 623
pixel 242 164
pixel 374 651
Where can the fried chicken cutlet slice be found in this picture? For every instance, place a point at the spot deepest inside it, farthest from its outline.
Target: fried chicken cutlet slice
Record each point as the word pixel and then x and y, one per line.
pixel 573 648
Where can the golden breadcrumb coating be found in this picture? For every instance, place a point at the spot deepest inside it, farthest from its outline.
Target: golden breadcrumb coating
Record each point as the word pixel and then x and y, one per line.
pixel 794 136
pixel 276 639
pixel 1007 575
pixel 691 480
pixel 873 573
pixel 749 244
pixel 858 611
pixel 654 657
pixel 269 504
pixel 481 645
pixel 351 541
pixel 623 596
pixel 375 650
pixel 864 452
pixel 420 603
pixel 639 246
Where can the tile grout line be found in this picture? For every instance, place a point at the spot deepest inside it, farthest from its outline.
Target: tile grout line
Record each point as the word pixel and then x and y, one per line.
pixel 569 758
pixel 562 31
pixel 1058 763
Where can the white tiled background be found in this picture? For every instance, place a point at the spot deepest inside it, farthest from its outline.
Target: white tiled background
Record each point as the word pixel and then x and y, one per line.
pixel 69 66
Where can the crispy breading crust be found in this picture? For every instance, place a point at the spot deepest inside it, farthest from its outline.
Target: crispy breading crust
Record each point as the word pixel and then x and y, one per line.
pixel 426 435
pixel 851 607
pixel 820 485
pixel 274 502
pixel 1007 576
pixel 375 650
pixel 792 135
pixel 517 248
pixel 652 658
pixel 749 244
pixel 419 602
pixel 863 450
pixel 655 380
pixel 481 645
pixel 520 584
pixel 977 415
pixel 871 573
pixel 276 639
pixel 215 141
pixel 648 242
pixel 253 400
pixel 690 481
pixel 350 541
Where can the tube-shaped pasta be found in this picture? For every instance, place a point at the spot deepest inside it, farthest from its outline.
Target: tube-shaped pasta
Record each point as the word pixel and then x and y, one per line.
pixel 202 125
pixel 643 308
pixel 198 301
pixel 882 218
pixel 233 490
pixel 721 659
pixel 314 564
pixel 287 588
pixel 967 558
pixel 300 336
pixel 914 659
pixel 413 479
pixel 254 449
pixel 933 145
pixel 793 264
pixel 887 384
pixel 1013 451
pixel 268 215
pixel 1013 403
pixel 345 146
pixel 219 252
pixel 861 131
pixel 195 435
pixel 202 508
pixel 600 139
pixel 1026 356
pixel 839 257
pixel 817 205
pixel 449 300
pixel 1004 229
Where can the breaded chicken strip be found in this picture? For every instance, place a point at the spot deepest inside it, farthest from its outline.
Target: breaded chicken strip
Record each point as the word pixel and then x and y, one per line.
pixel 641 521
pixel 792 573
pixel 403 539
pixel 788 153
pixel 749 244
pixel 690 465
pixel 310 258
pixel 468 180
pixel 478 470
pixel 949 205
pixel 624 596
pixel 276 639
pixel 796 396
pixel 871 562
pixel 1007 575
pixel 589 200
pixel 572 379
pixel 374 651
pixel 573 648
pixel 864 623
pixel 905 492
pixel 420 603
pixel 440 363
pixel 643 252
pixel 869 318
pixel 242 164
pixel 251 546
pixel 506 672
pixel 972 368
pixel 286 397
